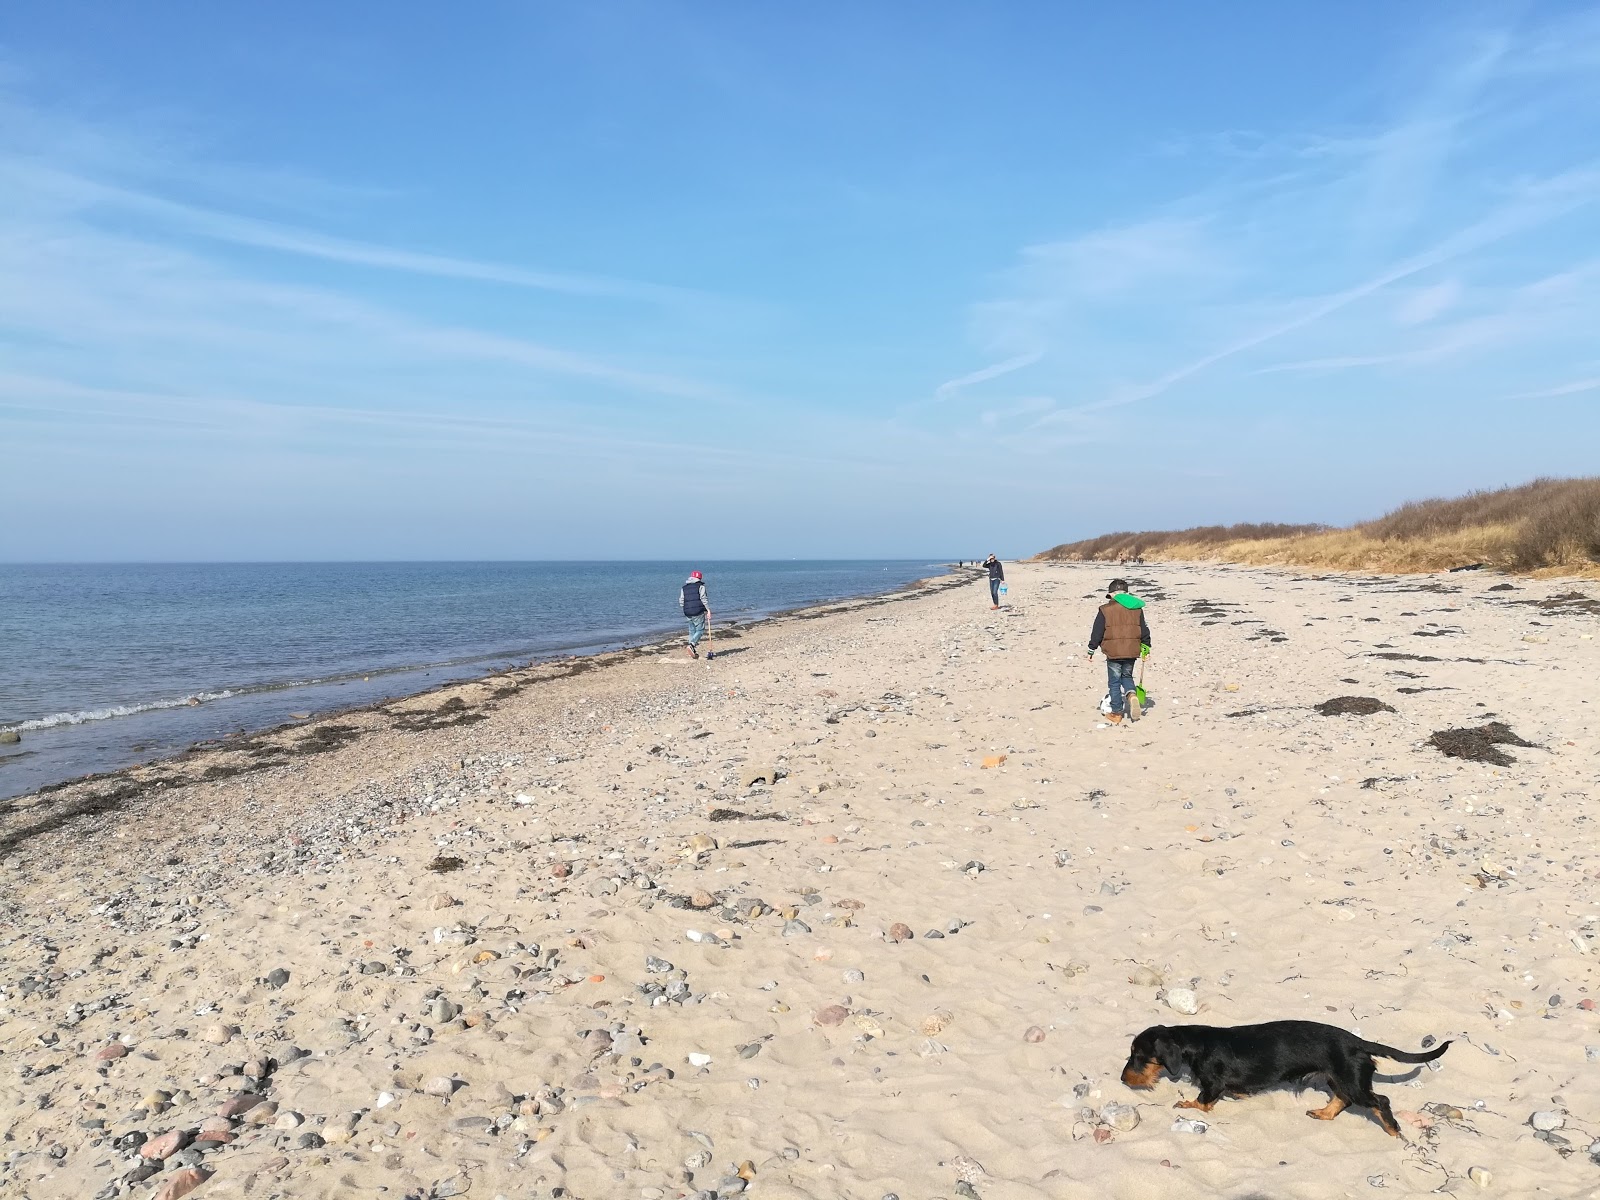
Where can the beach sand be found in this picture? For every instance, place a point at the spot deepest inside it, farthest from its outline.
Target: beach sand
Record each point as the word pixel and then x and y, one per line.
pixel 546 935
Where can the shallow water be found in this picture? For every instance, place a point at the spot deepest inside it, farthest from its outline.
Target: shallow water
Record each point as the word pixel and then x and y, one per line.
pixel 104 665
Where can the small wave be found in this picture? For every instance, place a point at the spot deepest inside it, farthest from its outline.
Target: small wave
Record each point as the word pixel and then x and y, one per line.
pixel 116 710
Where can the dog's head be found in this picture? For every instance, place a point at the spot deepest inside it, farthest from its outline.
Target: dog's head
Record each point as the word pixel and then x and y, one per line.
pixel 1153 1051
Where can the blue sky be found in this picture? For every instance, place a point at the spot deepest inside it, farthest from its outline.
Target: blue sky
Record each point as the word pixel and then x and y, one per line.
pixel 742 280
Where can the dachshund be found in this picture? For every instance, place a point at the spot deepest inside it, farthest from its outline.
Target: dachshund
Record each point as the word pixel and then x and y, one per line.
pixel 1240 1060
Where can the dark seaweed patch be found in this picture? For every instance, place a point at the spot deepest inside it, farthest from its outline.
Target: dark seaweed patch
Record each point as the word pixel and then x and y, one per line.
pixel 1479 745
pixel 1353 706
pixel 446 863
pixel 734 814
pixel 324 738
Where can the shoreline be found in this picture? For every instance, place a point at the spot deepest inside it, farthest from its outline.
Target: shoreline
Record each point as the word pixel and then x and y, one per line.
pixel 140 778
pixel 874 907
pixel 612 651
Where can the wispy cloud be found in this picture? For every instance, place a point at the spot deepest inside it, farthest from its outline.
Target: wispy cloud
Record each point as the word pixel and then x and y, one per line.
pixel 1574 388
pixel 994 371
pixel 1289 248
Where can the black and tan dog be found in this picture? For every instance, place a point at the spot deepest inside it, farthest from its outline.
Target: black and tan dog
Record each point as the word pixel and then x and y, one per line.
pixel 1238 1060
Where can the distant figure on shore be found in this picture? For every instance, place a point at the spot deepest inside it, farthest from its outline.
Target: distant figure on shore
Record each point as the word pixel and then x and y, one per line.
pixel 997 576
pixel 697 609
pixel 1120 630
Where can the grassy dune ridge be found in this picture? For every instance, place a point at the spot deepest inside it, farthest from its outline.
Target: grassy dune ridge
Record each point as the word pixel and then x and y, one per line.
pixel 1549 525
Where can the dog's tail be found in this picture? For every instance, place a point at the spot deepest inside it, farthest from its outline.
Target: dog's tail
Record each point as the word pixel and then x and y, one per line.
pixel 1404 1055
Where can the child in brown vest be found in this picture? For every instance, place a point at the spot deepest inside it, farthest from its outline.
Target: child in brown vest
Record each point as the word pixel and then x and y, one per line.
pixel 1120 630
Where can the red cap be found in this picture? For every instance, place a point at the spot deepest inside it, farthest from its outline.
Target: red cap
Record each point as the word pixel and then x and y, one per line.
pixel 695 575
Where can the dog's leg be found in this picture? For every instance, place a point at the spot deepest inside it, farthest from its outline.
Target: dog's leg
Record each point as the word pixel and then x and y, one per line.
pixel 1378 1104
pixel 1328 1111
pixel 1210 1093
pixel 1385 1115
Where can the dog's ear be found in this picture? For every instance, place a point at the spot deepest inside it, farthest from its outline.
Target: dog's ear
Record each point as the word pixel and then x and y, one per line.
pixel 1169 1052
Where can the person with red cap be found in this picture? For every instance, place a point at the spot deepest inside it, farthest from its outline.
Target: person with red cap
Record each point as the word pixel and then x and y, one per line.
pixel 695 607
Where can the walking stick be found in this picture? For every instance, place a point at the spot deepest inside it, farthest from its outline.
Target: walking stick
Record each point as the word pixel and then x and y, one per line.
pixel 709 654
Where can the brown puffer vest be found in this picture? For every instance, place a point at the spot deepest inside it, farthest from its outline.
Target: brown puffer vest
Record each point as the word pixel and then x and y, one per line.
pixel 1122 631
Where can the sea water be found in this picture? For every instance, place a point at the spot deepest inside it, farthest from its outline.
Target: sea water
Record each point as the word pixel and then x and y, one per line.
pixel 102 666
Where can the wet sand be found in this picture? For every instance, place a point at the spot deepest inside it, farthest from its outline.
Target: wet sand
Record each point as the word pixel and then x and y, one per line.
pixel 632 929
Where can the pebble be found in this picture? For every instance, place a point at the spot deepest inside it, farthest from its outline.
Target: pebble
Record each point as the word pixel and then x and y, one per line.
pixel 1146 977
pixel 1034 1033
pixel 1188 1125
pixel 900 932
pixel 833 1014
pixel 112 1052
pixel 309 1141
pixel 1547 1120
pixel 442 1086
pixel 288 1120
pixel 795 928
pixel 699 1059
pixel 1121 1117
pixel 854 976
pixel 181 1183
pixel 1480 1176
pixel 276 978
pixel 161 1148
pixel 239 1104
pixel 937 1021
pixel 218 1034
pixel 1182 1000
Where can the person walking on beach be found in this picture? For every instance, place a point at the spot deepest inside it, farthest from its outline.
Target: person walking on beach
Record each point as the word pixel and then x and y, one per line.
pixel 997 576
pixel 1120 630
pixel 695 607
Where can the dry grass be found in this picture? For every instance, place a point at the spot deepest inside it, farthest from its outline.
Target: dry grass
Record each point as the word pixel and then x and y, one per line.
pixel 1549 525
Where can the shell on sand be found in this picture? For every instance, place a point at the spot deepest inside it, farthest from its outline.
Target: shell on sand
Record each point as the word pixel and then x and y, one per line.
pixel 868 1026
pixel 937 1021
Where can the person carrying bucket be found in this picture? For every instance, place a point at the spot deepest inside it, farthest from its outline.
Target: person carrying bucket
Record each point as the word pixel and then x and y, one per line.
pixel 1120 630
pixel 997 579
pixel 697 609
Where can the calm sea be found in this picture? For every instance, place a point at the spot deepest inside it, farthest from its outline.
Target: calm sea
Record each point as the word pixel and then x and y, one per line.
pixel 100 664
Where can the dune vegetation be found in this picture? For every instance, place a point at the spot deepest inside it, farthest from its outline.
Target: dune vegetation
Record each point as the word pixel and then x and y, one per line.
pixel 1549 526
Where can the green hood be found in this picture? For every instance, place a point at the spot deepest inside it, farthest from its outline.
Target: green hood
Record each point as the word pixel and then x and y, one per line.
pixel 1128 601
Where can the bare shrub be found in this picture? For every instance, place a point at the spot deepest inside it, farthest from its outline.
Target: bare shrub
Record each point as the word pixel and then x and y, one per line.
pixel 1548 523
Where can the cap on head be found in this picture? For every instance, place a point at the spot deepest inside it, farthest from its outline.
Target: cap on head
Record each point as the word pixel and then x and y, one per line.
pixel 695 575
pixel 1118 585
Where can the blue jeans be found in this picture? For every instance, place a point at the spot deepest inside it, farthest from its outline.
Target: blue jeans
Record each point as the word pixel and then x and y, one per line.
pixel 1119 676
pixel 697 628
pixel 994 590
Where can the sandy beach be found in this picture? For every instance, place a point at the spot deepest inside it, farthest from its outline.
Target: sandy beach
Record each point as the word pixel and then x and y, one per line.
pixel 871 905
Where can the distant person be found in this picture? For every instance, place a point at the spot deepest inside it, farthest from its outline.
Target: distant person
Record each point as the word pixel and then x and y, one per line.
pixel 697 609
pixel 997 576
pixel 1121 632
